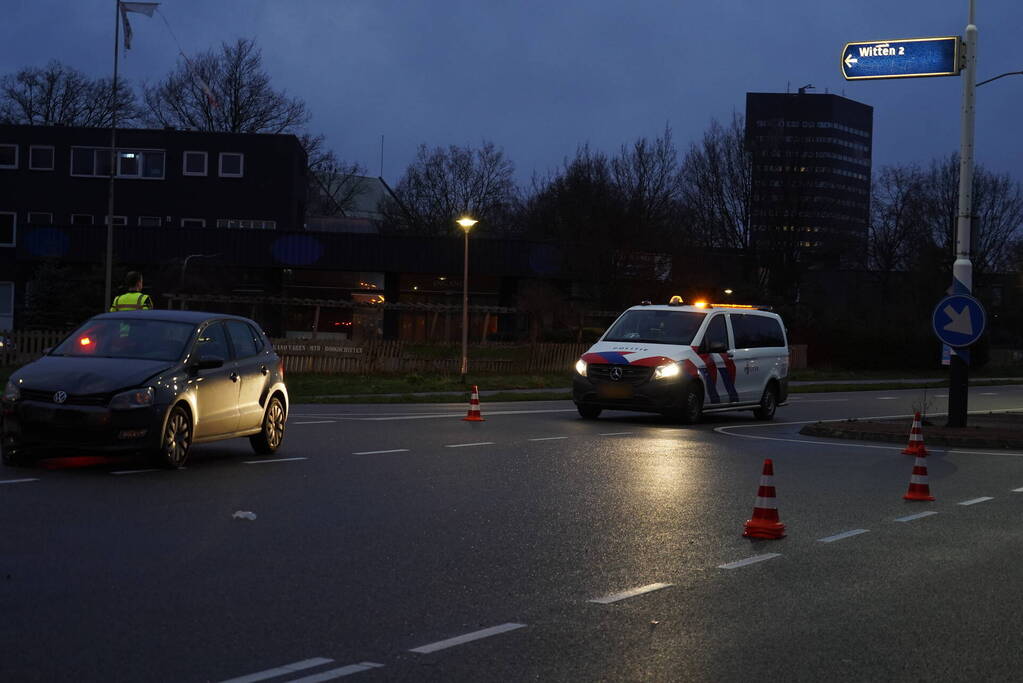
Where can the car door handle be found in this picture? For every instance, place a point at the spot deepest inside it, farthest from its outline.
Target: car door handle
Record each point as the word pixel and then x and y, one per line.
pixel 233 376
pixel 265 370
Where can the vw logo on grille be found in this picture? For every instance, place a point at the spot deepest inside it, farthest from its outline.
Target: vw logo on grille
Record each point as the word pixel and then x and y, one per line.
pixel 59 397
pixel 616 373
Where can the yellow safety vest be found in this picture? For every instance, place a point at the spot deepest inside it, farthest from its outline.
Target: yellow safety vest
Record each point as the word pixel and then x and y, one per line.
pixel 132 301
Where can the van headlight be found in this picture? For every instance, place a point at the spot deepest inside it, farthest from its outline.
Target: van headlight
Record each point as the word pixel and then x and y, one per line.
pixel 580 367
pixel 135 398
pixel 667 371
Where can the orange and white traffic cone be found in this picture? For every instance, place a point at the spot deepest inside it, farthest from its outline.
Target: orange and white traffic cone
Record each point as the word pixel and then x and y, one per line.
pixel 916 438
pixel 918 486
pixel 764 523
pixel 474 406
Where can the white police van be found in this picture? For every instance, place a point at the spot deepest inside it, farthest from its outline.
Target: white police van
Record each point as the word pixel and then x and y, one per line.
pixel 685 360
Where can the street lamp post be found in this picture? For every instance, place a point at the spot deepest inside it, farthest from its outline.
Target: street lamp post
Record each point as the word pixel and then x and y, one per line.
pixel 466 224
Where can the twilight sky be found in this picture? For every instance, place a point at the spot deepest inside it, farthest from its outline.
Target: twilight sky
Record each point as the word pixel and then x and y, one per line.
pixel 540 77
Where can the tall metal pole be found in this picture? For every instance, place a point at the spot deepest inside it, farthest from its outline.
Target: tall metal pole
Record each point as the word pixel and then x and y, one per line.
pixel 465 308
pixel 962 269
pixel 113 161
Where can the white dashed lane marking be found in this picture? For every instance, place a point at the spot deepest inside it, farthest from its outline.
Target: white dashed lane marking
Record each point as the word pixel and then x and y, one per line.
pixel 886 398
pixel 919 515
pixel 281 670
pixel 314 422
pixel 466 638
pixel 844 534
pixel 16 481
pixel 974 501
pixel 749 561
pixel 118 472
pixel 1019 490
pixel 393 450
pixel 466 445
pixel 262 462
pixel 631 593
pixel 549 438
pixel 337 673
pixel 614 433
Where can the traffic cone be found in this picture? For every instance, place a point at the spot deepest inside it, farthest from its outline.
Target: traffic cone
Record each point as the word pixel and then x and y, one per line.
pixel 764 523
pixel 916 438
pixel 918 487
pixel 474 406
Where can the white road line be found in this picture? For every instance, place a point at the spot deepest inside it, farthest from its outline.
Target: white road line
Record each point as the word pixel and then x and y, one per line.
pixel 338 673
pixel 314 422
pixel 818 400
pixel 466 638
pixel 261 462
pixel 988 393
pixel 844 534
pixel 1019 490
pixel 941 396
pixel 280 670
pixel 135 471
pixel 488 413
pixel 17 481
pixel 615 433
pixel 919 515
pixel 886 398
pixel 749 560
pixel 630 593
pixel 393 450
pixel 464 445
pixel 974 501
pixel 549 438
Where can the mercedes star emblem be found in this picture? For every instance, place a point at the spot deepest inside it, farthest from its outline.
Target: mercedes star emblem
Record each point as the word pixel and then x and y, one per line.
pixel 616 374
pixel 59 397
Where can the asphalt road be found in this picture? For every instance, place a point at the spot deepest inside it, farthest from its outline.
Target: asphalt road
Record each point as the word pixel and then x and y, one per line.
pixel 402 543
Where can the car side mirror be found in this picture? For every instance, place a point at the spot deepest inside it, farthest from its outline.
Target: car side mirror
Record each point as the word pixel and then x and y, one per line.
pixel 208 363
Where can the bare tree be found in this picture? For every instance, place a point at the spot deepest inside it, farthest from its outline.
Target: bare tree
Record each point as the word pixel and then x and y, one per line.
pixel 716 186
pixel 897 231
pixel 60 94
pixel 646 175
pixel 226 91
pixel 443 183
pixel 334 185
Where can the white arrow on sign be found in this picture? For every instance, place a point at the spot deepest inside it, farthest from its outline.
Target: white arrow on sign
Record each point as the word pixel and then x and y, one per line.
pixel 961 322
pixel 849 60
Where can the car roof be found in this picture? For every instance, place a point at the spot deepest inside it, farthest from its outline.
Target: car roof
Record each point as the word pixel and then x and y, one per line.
pixel 701 309
pixel 194 317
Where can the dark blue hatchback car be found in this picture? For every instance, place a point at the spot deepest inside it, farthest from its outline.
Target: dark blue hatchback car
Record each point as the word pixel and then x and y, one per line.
pixel 151 381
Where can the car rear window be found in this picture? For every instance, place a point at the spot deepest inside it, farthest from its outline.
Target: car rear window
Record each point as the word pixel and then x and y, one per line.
pixel 128 338
pixel 656 327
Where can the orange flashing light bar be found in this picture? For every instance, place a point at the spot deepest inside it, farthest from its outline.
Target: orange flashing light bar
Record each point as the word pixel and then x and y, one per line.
pixel 84 341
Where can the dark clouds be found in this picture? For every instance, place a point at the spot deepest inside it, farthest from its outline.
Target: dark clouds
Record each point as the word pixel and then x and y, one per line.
pixel 541 78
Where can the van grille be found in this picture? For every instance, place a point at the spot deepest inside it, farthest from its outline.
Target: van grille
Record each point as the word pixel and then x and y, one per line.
pixel 631 374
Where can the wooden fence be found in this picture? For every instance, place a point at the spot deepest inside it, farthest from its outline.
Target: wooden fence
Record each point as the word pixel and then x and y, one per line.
pixel 23 346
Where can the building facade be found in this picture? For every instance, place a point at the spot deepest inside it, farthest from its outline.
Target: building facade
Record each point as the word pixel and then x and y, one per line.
pixel 810 180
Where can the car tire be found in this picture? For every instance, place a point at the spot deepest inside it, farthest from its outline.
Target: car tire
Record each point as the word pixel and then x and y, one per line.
pixel 692 405
pixel 588 412
pixel 768 404
pixel 271 433
pixel 176 441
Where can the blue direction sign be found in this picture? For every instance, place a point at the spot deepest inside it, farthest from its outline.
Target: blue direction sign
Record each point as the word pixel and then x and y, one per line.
pixel 908 58
pixel 958 320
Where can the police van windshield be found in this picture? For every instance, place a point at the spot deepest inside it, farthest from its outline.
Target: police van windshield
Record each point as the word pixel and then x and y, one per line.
pixel 656 327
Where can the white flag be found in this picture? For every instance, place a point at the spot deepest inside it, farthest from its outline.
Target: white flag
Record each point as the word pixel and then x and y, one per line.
pixel 146 8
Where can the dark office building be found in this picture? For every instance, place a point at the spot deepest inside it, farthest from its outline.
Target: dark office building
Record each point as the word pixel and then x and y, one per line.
pixel 810 191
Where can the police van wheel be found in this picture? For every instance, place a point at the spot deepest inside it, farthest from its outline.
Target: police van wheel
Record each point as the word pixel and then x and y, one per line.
pixel 768 404
pixel 692 405
pixel 588 412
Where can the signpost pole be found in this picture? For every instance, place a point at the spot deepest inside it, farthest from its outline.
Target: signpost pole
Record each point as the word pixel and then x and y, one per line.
pixel 962 269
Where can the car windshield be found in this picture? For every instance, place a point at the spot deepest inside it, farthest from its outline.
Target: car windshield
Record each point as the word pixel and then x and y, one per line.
pixel 656 327
pixel 128 338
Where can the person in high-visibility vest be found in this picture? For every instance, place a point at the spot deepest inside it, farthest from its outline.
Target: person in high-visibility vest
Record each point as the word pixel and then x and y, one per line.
pixel 133 299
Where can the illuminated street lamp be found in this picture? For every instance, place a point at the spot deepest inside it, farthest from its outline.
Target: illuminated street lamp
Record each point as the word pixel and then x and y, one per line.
pixel 466 224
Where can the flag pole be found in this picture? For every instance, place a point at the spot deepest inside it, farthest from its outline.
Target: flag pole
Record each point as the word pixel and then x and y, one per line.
pixel 113 162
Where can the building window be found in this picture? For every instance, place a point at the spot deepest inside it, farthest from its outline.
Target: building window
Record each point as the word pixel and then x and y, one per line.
pixel 8 156
pixel 150 222
pixel 40 218
pixel 6 305
pixel 118 220
pixel 246 223
pixel 194 163
pixel 8 228
pixel 232 164
pixel 193 222
pixel 81 219
pixel 131 163
pixel 40 158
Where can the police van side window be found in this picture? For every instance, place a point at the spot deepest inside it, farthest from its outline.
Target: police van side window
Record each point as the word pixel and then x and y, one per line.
pixel 756 331
pixel 715 340
pixel 769 332
pixel 742 328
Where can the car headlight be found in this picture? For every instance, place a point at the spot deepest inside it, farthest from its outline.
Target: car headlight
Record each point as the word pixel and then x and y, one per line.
pixel 11 391
pixel 135 398
pixel 667 371
pixel 580 367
